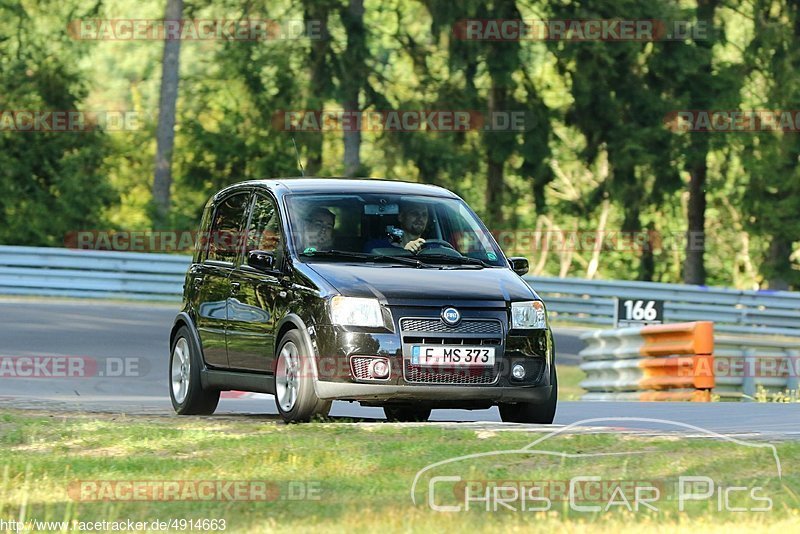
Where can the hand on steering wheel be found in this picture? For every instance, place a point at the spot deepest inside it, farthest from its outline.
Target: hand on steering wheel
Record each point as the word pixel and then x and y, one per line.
pixel 415 246
pixel 438 243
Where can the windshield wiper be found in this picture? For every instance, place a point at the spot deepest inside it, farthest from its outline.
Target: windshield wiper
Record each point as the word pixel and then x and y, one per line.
pixel 346 254
pixel 453 260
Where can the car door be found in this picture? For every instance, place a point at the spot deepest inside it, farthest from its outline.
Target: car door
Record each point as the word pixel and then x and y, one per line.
pixel 253 308
pixel 211 277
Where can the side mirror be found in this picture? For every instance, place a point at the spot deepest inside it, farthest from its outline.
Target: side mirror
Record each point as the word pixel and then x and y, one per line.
pixel 519 265
pixel 261 260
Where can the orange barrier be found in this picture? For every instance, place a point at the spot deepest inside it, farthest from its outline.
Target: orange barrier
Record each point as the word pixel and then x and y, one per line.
pixel 670 369
pixel 651 363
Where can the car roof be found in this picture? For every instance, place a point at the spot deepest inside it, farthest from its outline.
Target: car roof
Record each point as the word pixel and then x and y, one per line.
pixel 282 186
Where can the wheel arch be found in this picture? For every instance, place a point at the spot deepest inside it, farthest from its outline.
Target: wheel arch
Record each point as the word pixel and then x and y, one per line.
pixel 181 320
pixel 292 321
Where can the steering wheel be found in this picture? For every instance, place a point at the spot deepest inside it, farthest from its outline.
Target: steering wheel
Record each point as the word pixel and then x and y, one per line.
pixel 430 244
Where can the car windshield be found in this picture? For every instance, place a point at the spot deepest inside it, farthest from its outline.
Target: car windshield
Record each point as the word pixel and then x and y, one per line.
pixel 361 227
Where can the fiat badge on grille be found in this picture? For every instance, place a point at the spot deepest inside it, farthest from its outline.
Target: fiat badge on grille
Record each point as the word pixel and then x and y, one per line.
pixel 451 316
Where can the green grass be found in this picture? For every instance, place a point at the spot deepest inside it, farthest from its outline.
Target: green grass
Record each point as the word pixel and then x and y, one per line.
pixel 569 376
pixel 363 473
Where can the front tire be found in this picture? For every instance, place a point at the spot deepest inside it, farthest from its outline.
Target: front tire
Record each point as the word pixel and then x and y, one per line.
pixel 295 397
pixel 541 413
pixel 406 414
pixel 185 389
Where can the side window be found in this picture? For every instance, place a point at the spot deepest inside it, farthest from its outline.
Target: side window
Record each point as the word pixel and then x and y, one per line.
pixel 226 228
pixel 466 240
pixel 264 232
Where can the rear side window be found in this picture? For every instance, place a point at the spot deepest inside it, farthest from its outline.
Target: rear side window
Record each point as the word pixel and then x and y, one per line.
pixel 225 239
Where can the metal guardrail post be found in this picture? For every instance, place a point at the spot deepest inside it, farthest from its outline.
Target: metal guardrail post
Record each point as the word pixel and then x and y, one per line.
pixel 793 361
pixel 749 378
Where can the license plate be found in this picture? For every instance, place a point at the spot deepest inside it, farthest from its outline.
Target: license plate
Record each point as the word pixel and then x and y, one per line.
pixel 444 355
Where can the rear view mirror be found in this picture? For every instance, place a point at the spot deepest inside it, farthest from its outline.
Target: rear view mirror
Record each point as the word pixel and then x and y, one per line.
pixel 381 209
pixel 261 260
pixel 519 265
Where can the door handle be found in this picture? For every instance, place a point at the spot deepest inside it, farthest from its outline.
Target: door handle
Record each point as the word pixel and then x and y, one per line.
pixel 197 282
pixel 235 287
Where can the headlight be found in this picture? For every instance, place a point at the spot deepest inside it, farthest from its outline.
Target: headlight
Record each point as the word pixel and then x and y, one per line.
pixel 351 311
pixel 528 315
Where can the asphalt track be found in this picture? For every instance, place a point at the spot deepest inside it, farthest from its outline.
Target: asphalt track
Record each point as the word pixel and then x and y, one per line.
pixel 111 333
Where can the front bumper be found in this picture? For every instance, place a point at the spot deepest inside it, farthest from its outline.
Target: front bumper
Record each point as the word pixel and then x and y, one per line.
pixel 438 392
pixel 335 380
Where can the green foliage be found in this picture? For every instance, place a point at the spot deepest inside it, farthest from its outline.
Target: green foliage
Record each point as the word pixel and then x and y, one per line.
pixel 595 153
pixel 51 182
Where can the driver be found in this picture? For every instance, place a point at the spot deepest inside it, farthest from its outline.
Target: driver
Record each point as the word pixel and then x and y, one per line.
pixel 413 218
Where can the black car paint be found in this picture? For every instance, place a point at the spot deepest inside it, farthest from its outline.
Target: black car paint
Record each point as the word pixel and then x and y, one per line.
pixel 260 307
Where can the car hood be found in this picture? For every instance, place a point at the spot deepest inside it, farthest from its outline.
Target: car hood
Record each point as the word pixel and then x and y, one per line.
pixel 399 285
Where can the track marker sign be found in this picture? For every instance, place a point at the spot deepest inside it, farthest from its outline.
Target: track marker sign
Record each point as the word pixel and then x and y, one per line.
pixel 638 312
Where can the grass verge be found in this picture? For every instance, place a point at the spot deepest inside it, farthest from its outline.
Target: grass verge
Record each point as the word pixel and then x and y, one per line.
pixel 358 478
pixel 569 376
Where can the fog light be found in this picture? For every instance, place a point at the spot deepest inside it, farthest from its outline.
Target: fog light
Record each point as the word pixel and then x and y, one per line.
pixel 380 369
pixel 518 372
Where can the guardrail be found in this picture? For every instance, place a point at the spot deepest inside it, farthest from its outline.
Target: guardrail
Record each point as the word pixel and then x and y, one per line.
pixel 129 275
pixel 650 363
pixel 96 274
pixel 753 312
pixel 745 364
pixel 687 361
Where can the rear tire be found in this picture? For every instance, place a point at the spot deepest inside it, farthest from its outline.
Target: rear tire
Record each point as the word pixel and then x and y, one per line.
pixel 541 413
pixel 406 414
pixel 295 398
pixel 185 389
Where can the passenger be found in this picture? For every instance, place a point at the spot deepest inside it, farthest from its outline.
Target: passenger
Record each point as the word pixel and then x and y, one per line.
pixel 318 227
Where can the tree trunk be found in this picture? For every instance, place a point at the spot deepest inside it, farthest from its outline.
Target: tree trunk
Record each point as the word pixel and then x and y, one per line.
pixel 353 81
pixel 320 81
pixel 495 180
pixel 694 271
pixel 778 263
pixel 165 133
pixel 647 266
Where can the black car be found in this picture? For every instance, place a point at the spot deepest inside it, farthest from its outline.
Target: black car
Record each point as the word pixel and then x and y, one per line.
pixel 388 293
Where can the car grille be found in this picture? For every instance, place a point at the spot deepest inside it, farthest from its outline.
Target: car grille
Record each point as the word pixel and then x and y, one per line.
pixel 433 331
pixel 467 326
pixel 425 375
pixel 433 340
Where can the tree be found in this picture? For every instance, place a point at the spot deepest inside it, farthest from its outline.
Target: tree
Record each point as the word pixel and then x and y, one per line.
pixel 619 106
pixel 699 84
pixel 772 199
pixel 352 78
pixel 165 136
pixel 51 183
pixel 320 60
